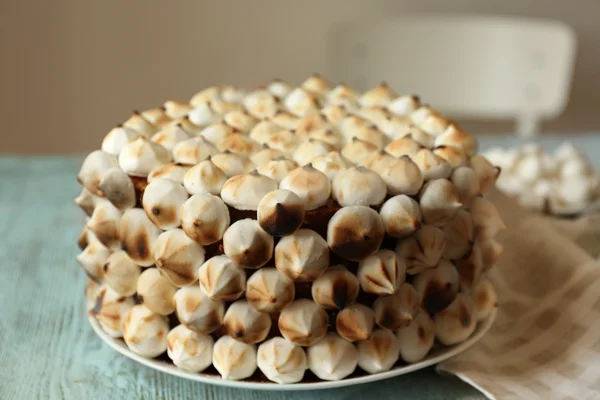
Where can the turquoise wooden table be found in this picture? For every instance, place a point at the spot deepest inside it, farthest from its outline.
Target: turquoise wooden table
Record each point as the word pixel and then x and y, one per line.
pixel 47 348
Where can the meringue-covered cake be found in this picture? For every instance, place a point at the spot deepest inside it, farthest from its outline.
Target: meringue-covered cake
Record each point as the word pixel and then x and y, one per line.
pixel 288 234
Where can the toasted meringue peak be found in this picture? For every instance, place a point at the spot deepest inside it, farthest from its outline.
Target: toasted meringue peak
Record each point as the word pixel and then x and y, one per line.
pixel 232 94
pixel 247 244
pixel 222 279
pixel 234 360
pixel 357 150
pixel 470 268
pixel 491 250
pixel 104 223
pixel 401 216
pixel 332 358
pixel 371 135
pixel 330 164
pixel 378 161
pixel 487 173
pixel 177 109
pixel 310 124
pixel 145 332
pixel 244 192
pixel 345 96
pixel 110 309
pixel 404 105
pixel 216 133
pixel 137 234
pixel 279 88
pixel 381 95
pixel 376 114
pixel 140 124
pixel 240 120
pixel 467 184
pixel 404 146
pixel 416 339
pixel 277 169
pixel 197 311
pixel 193 150
pixel 232 164
pixel 268 290
pixel 204 177
pixel 485 298
pixel 355 232
pixel 355 322
pixel 358 186
pixel 351 124
pixel 437 287
pixel 280 213
pixel 459 234
pixel 93 168
pixel 402 177
pixel 87 201
pixel 379 352
pixel 117 138
pixel 303 322
pixel 222 106
pixel 334 114
pixel 156 291
pixel 432 166
pixel 453 155
pixel 281 361
pixel 330 136
pixel 382 273
pixel 203 115
pixel 285 119
pixel 457 322
pixel 239 144
pixel 162 202
pixel 93 258
pixel 422 250
pixel 264 130
pixel 310 184
pixel 309 150
pixel 157 116
pixel 141 156
pixel 283 140
pixel 300 102
pixel 173 171
pixel 439 201
pixel 246 324
pixel 261 104
pixel 265 155
pixel 190 351
pixel 397 310
pixel 317 85
pixel 335 288
pixel 486 217
pixel 84 238
pixel 178 257
pixel 204 218
pixel 453 136
pixel 430 121
pixel 205 95
pixel 121 274
pixel 302 256
pixel 118 188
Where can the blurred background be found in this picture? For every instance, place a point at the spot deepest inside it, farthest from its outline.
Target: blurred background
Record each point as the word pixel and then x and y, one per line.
pixel 71 70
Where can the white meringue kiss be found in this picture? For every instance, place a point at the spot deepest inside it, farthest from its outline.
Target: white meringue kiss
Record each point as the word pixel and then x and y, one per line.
pixel 358 186
pixel 401 216
pixel 379 352
pixel 222 279
pixel 234 360
pixel 190 351
pixel 268 290
pixel 156 291
pixel 204 177
pixel 281 361
pixel 244 192
pixel 205 218
pixel 332 358
pixel 145 332
pixel 197 311
pixel 247 244
pixel 303 322
pixel 382 273
pixel 141 156
pixel 416 339
pixel 303 256
pixel 310 184
pixel 246 324
pixel 178 257
pixel 162 201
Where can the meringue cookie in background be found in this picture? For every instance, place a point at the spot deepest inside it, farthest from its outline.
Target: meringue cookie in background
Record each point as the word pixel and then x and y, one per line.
pixel 145 332
pixel 193 150
pixel 317 85
pixel 222 279
pixel 330 164
pixel 404 105
pixel 118 188
pixel 486 217
pixel 486 172
pixel 379 352
pixel 93 169
pixel 169 136
pixel 141 156
pixel 332 358
pixel 205 218
pixel 173 171
pixel 283 140
pixel 279 88
pixel 240 120
pixel 382 273
pixel 186 125
pixel 376 114
pixel 351 124
pixel 285 119
pixel 121 274
pixel 204 177
pixel 205 95
pixel 416 339
pixel 232 164
pixel 177 109
pixel 303 255
pixel 190 351
pixel 437 287
pixel 357 150
pixel 404 146
pixel 156 291
pixel 358 186
pixel 439 202
pixel 491 250
pixel 197 311
pixel 261 104
pixel 246 324
pixel 162 202
pixel 454 156
pixel 104 223
pixel 216 133
pixel 355 232
pixel 263 130
pixel 110 310
pixel 460 235
pixel 453 136
pixel 138 234
pixel 371 135
pixel 303 322
pixel 432 166
pixel 485 298
pixel 239 144
pixel 401 216
pixel 422 250
pixel 247 244
pixel 378 161
pixel 265 155
pixel 280 213
pixel 87 201
pixel 268 290
pixel 301 102
pixel 402 176
pixel 330 136
pixel 140 124
pixel 277 169
pixel 309 150
pixel 281 361
pixel 467 184
pixel 397 310
pixel 355 322
pixel 311 123
pixel 234 360
pixel 222 107
pixel 429 120
pixel 93 258
pixel 178 257
pixel 310 184
pixel 244 192
pixel 203 115
pixel 457 322
pixel 345 96
pixel 157 116
pixel 335 288
pixel 117 138
pixel 381 95
pixel 470 268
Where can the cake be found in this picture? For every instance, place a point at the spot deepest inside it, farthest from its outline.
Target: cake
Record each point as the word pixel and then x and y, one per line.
pixel 289 233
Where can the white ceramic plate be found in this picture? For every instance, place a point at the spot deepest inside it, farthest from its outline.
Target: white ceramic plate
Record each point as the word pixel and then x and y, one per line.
pixel 435 357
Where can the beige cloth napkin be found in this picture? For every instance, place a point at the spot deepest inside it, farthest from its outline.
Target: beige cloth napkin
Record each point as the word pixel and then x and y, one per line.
pixel 545 343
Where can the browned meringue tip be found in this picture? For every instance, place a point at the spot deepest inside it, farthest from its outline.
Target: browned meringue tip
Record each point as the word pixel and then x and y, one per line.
pixel 355 232
pixel 398 310
pixel 246 324
pixel 335 288
pixel 280 213
pixel 355 322
pixel 303 322
pixel 437 287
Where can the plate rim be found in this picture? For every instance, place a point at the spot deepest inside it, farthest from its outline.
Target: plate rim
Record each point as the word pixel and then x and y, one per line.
pixel 120 346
